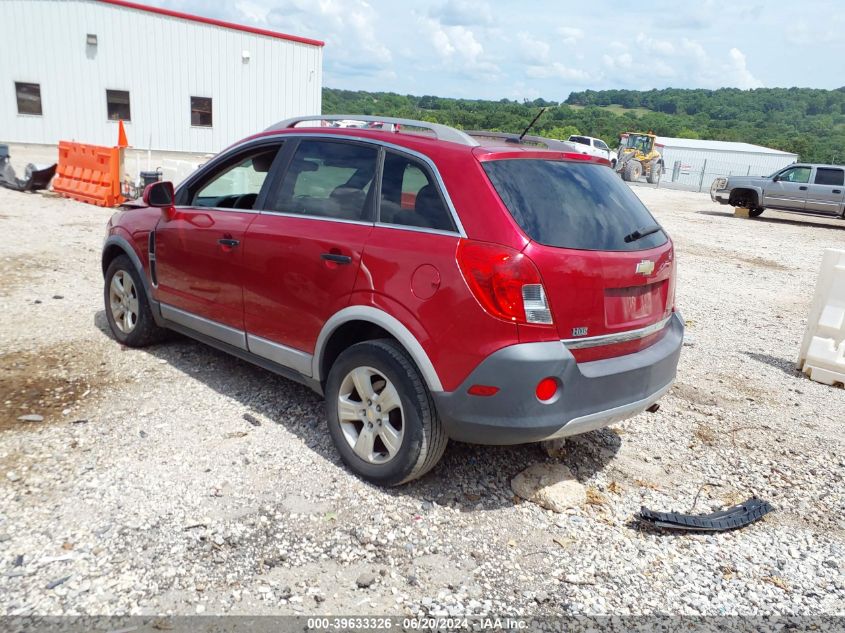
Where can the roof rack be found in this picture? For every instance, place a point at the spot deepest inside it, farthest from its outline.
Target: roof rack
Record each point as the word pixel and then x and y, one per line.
pixel 548 143
pixel 442 132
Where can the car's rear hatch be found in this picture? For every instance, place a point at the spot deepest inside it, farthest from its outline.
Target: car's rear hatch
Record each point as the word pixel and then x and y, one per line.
pixel 607 267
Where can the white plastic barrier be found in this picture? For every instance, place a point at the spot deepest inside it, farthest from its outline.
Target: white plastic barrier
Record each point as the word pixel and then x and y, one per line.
pixel 822 355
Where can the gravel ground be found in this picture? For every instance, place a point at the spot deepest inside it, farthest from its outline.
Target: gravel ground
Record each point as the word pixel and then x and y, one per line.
pixel 179 480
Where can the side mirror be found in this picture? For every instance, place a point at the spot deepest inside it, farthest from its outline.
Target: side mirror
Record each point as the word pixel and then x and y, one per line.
pixel 159 194
pixel 775 178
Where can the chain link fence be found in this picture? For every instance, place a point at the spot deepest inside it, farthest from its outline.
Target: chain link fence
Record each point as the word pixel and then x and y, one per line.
pixel 698 174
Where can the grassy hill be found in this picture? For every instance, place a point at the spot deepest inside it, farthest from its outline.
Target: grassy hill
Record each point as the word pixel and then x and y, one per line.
pixel 806 121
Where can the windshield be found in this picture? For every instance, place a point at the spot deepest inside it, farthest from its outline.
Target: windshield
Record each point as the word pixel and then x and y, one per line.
pixel 572 205
pixel 639 141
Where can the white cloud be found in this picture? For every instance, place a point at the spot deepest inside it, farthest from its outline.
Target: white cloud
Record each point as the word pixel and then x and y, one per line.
pixel 651 62
pixel 253 11
pixel 463 13
pixel 742 77
pixel 569 35
pixel 650 45
pixel 531 49
pixel 558 70
pixel 459 45
pixel 623 61
pixel 348 25
pixel 694 50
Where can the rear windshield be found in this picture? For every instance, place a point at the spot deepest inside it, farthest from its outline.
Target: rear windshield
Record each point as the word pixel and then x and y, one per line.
pixel 572 205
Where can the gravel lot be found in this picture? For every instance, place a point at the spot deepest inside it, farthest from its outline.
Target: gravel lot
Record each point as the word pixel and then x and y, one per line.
pixel 146 490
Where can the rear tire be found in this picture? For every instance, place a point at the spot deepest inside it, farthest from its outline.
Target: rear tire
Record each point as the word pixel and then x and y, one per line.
pixel 127 307
pixel 391 446
pixel 655 173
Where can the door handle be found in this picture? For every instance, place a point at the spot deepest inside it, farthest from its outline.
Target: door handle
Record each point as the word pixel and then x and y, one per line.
pixel 337 258
pixel 228 241
pixel 802 188
pixel 837 191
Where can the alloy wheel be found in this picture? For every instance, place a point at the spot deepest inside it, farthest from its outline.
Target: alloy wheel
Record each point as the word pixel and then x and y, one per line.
pixel 370 414
pixel 123 301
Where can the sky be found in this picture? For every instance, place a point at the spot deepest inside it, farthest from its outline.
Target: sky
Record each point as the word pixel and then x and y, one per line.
pixel 491 49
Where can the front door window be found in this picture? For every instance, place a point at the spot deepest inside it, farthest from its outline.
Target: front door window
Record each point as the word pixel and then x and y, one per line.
pixel 796 174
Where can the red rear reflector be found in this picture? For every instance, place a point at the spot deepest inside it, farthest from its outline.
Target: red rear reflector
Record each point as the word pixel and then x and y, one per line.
pixel 546 389
pixel 483 390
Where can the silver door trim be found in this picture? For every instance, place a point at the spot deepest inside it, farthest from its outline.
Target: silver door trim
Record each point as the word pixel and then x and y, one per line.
pixel 224 333
pixel 280 354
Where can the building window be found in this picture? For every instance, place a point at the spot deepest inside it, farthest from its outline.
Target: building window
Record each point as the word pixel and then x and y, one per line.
pixel 201 111
pixel 29 98
pixel 117 104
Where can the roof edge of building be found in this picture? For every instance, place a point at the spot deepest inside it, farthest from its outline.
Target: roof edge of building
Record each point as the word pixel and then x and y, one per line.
pixel 126 4
pixel 708 146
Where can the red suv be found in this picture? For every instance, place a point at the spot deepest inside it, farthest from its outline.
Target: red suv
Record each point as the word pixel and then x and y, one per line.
pixel 430 284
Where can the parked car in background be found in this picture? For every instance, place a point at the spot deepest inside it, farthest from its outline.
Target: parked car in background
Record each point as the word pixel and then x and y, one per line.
pixel 809 188
pixel 593 147
pixel 429 285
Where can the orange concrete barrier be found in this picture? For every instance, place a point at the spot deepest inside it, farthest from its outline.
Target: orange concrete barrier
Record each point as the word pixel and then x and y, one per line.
pixel 89 173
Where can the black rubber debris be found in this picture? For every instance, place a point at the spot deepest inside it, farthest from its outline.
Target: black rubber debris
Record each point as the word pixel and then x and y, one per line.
pixel 721 521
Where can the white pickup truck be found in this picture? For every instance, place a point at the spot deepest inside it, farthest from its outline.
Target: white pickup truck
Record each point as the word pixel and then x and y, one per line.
pixel 809 188
pixel 593 147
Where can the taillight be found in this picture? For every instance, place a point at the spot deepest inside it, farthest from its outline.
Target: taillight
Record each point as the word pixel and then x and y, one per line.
pixel 505 282
pixel 673 275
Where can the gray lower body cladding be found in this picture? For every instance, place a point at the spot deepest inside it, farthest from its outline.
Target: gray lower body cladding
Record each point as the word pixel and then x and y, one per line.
pixel 593 394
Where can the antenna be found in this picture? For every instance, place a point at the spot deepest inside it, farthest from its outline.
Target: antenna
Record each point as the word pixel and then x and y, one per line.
pixel 530 125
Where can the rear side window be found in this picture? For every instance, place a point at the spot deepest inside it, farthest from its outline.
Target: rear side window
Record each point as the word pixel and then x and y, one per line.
pixel 825 176
pixel 572 205
pixel 410 197
pixel 583 140
pixel 329 179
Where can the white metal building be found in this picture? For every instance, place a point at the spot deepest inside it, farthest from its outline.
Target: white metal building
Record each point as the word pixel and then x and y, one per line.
pixel 695 163
pixel 69 69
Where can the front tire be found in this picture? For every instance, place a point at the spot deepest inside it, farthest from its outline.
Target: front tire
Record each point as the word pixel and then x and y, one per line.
pixel 127 306
pixel 754 213
pixel 632 171
pixel 381 416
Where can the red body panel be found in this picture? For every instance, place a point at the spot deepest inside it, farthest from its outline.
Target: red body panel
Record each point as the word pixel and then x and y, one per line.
pixel 195 272
pixel 289 290
pixel 414 277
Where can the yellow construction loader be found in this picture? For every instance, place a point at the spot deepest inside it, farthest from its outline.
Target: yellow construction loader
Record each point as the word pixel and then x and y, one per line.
pixel 637 155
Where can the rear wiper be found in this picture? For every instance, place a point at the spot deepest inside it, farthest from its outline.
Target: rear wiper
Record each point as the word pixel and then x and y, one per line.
pixel 643 232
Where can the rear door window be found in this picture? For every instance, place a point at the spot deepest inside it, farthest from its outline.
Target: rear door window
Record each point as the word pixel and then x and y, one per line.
pixel 410 196
pixel 583 140
pixel 828 176
pixel 572 205
pixel 329 179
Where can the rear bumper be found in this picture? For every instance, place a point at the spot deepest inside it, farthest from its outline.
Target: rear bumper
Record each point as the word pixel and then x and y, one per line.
pixel 594 394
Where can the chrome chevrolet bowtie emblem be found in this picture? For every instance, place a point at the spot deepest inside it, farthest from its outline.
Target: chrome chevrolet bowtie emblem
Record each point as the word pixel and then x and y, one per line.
pixel 645 267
